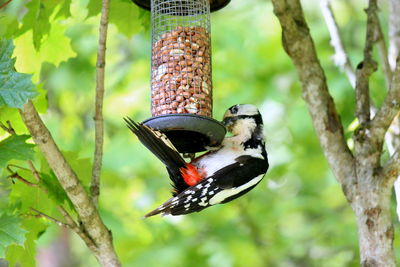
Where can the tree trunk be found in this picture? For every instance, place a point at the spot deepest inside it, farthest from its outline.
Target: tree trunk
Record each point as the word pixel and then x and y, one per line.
pixel 366 184
pixel 107 259
pixel 371 205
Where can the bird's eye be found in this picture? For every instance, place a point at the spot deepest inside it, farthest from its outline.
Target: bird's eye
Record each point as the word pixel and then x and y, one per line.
pixel 234 109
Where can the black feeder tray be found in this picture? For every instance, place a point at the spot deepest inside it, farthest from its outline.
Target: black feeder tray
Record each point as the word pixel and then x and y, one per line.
pixel 214 4
pixel 189 133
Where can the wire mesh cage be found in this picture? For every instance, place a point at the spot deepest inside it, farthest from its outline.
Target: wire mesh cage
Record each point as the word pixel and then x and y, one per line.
pixel 181 61
pixel 181 84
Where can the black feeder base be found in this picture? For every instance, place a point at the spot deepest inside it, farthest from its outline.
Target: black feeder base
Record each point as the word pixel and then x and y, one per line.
pixel 189 133
pixel 214 4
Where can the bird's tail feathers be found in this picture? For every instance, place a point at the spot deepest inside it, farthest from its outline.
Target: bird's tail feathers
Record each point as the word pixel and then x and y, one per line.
pixel 159 144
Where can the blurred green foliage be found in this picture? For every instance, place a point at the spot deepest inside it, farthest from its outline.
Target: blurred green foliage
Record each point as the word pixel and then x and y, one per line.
pixel 297 216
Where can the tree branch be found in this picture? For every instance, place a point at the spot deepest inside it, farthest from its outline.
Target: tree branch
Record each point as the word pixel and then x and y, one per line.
pixel 34 171
pixel 9 129
pixel 15 175
pixel 300 47
pixel 394 32
pixel 98 117
pixel 72 224
pixel 43 215
pixel 389 108
pixel 391 170
pixel 383 52
pixel 340 57
pixel 85 208
pixel 392 137
pixel 5 4
pixel 366 67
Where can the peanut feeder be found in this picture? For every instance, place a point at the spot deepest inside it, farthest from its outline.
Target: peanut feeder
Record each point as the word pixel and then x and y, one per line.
pixel 181 81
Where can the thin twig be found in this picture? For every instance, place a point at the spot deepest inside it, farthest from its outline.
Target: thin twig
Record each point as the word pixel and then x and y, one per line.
pixel 34 171
pixel 5 4
pixel 9 129
pixel 43 215
pixel 340 57
pixel 15 175
pixel 366 67
pixel 98 118
pixel 72 224
pixel 16 166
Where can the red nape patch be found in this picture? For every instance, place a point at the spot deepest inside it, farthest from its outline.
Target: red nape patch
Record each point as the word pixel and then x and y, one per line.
pixel 191 175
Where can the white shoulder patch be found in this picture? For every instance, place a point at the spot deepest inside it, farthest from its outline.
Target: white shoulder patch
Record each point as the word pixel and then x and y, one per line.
pixel 224 194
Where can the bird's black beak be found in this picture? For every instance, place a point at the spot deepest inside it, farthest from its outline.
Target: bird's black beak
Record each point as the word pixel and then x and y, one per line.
pixel 228 122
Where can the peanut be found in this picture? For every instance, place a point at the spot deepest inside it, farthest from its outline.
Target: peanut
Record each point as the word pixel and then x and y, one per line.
pixel 181 72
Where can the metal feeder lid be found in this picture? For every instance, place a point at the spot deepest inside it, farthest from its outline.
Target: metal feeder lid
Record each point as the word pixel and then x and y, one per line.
pixel 214 4
pixel 189 133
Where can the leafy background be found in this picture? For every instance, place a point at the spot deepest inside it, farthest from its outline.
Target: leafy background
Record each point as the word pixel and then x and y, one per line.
pixel 297 216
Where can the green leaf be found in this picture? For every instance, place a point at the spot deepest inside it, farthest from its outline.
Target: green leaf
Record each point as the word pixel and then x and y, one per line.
pixel 8 25
pixel 15 147
pixel 64 9
pixel 6 50
pixel 15 88
pixel 10 232
pixel 53 187
pixel 93 7
pixel 12 115
pixel 39 18
pixel 145 19
pixel 123 14
pixel 25 255
pixel 56 49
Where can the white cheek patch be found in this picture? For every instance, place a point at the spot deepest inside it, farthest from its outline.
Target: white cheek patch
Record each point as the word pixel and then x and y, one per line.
pixel 247 109
pixel 224 194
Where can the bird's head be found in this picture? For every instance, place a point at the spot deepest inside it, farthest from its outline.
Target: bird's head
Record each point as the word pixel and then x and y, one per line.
pixel 242 118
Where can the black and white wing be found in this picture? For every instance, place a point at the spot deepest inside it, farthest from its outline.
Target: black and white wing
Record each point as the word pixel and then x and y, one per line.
pixel 159 144
pixel 223 186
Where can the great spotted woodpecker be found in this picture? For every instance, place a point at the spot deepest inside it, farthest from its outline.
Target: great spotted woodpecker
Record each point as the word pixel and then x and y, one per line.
pixel 218 176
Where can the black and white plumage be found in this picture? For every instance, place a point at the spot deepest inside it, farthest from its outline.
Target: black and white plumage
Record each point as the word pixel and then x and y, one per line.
pixel 220 175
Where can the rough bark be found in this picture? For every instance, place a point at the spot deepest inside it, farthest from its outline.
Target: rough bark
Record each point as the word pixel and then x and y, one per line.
pixel 87 212
pixel 366 185
pixel 375 229
pixel 299 45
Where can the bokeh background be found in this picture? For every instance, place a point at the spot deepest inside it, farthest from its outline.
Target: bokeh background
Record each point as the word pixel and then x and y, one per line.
pixel 297 216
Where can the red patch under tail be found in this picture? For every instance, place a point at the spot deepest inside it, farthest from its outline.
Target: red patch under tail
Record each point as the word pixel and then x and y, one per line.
pixel 191 175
